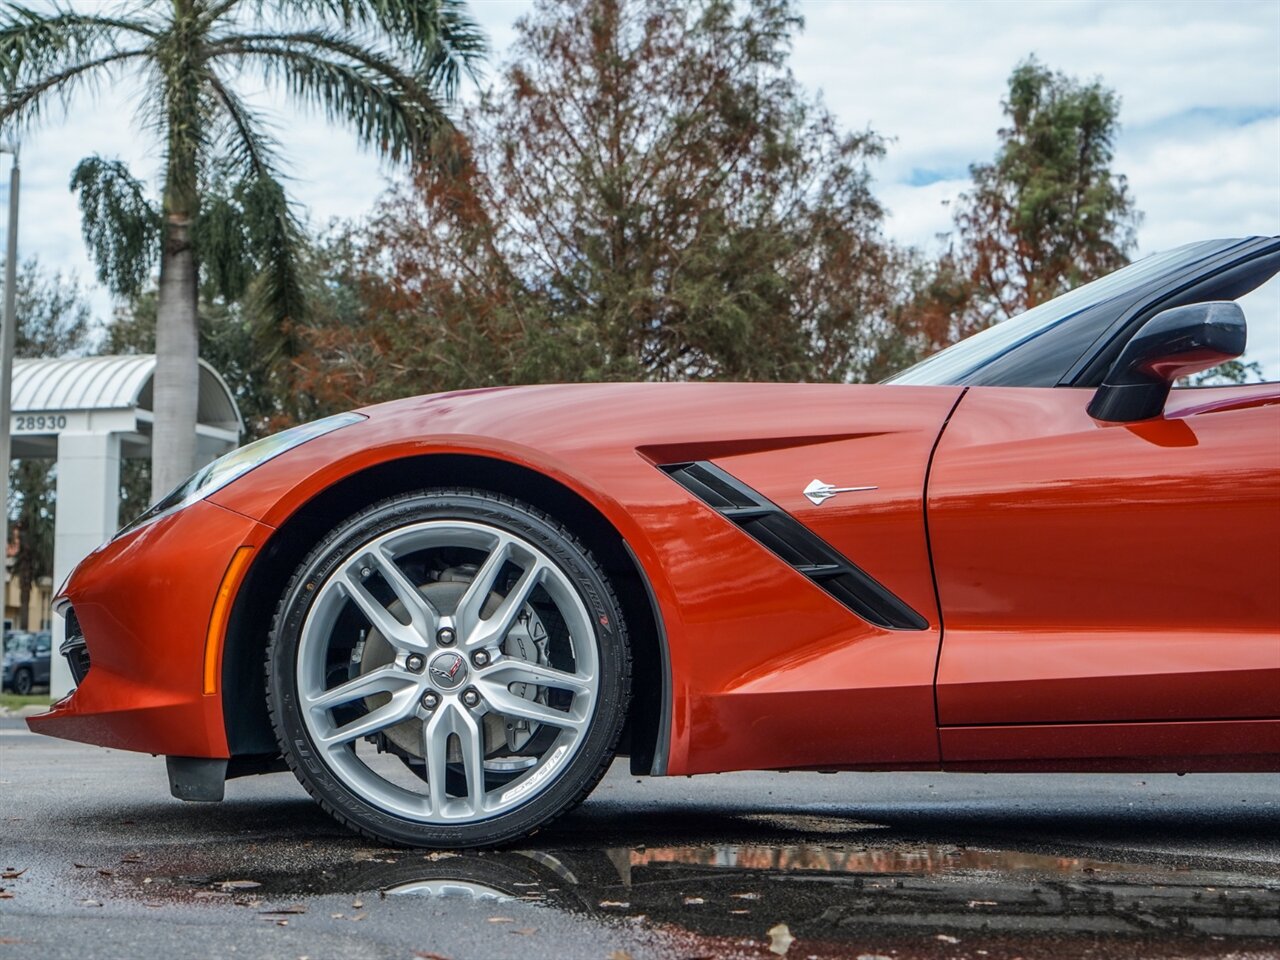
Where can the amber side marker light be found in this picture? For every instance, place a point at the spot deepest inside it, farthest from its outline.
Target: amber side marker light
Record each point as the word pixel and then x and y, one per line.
pixel 221 613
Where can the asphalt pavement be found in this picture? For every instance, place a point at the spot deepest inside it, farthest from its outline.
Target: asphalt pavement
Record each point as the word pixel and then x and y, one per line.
pixel 98 861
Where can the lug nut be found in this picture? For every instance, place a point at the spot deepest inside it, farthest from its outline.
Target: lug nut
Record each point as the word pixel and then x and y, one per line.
pixel 470 697
pixel 431 699
pixel 415 662
pixel 445 636
pixel 480 658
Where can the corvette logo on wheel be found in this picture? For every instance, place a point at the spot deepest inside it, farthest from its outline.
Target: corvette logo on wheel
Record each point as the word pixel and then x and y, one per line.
pixel 447 669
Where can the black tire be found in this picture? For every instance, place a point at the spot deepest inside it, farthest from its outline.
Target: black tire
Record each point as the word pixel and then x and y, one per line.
pixel 570 784
pixel 22 681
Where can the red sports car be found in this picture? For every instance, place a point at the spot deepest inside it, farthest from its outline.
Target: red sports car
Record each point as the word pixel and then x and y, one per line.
pixel 448 614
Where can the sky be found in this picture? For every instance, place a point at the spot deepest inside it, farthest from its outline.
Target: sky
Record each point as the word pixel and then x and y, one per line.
pixel 1199 144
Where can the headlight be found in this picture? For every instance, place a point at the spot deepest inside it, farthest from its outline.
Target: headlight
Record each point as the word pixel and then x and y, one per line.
pixel 237 463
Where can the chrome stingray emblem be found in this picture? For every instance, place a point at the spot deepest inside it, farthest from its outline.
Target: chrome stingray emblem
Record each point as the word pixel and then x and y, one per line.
pixel 819 492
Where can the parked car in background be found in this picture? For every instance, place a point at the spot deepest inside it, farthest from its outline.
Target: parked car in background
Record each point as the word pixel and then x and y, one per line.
pixel 26 661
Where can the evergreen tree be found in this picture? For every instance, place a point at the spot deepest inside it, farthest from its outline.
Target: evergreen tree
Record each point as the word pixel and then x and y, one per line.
pixel 1046 215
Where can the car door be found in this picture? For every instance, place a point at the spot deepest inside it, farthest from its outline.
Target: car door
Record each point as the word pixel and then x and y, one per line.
pixel 1094 572
pixel 839 498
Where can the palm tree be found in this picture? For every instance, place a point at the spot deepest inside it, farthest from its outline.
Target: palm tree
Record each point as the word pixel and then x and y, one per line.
pixel 388 68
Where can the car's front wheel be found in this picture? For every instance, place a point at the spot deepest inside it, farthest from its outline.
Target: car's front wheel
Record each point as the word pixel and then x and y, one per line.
pixel 22 681
pixel 448 668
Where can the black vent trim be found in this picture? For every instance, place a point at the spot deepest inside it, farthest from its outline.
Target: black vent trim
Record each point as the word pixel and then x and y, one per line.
pixel 775 529
pixel 74 648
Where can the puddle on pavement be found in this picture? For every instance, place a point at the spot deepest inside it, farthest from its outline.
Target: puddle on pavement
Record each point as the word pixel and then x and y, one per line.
pixel 835 896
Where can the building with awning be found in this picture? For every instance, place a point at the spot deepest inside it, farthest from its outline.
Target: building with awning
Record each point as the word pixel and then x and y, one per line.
pixel 89 414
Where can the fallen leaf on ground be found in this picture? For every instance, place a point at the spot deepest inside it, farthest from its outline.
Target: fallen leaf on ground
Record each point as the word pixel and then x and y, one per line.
pixel 693 901
pixel 336 916
pixel 745 896
pixel 239 884
pixel 501 920
pixel 614 903
pixel 780 939
pixel 292 908
pixel 90 903
pixel 5 895
pixel 619 955
pixel 739 911
pixel 983 903
pixel 12 874
pixel 946 938
pixel 526 931
pixel 428 955
pixel 107 873
pixel 359 916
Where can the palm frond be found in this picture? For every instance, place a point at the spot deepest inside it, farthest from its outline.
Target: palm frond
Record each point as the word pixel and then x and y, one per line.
pixel 243 141
pixel 249 236
pixel 413 79
pixel 439 32
pixel 22 106
pixel 218 233
pixel 121 227
pixel 461 48
pixel 276 297
pixel 33 44
pixel 384 114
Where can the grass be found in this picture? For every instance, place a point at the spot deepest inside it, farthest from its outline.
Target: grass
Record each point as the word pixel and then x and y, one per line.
pixel 12 701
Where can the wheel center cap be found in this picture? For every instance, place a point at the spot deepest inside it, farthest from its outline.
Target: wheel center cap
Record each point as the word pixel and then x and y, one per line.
pixel 448 670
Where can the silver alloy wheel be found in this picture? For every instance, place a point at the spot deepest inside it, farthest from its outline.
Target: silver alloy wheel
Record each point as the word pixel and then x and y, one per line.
pixel 452 691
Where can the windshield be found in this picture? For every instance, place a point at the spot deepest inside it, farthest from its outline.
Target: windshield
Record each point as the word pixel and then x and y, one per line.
pixel 960 360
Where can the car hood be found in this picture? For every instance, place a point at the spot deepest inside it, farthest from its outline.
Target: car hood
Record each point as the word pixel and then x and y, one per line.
pixel 587 435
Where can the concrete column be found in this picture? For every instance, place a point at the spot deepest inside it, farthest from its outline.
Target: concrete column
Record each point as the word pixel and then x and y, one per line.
pixel 87 516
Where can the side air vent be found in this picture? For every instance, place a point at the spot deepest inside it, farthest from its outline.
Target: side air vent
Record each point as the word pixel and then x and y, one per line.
pixel 809 554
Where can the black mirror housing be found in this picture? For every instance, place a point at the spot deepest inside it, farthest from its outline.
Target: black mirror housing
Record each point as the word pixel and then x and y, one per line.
pixel 1172 344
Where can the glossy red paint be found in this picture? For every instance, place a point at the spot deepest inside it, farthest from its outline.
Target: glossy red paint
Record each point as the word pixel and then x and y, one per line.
pixel 1096 572
pixel 143 601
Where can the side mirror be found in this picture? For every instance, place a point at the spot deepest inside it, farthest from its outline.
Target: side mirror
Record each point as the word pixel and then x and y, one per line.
pixel 1172 344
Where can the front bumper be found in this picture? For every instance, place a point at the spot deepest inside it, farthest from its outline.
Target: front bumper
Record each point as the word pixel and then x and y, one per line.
pixel 143 604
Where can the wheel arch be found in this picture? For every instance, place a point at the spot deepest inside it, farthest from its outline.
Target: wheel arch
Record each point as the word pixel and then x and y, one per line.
pixel 248 727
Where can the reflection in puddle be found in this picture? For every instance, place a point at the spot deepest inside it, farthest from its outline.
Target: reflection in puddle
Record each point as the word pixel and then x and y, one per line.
pixel 836 897
pixel 450 889
pixel 917 860
pixel 909 899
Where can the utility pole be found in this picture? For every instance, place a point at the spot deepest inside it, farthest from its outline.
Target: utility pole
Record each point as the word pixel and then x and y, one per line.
pixel 8 339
